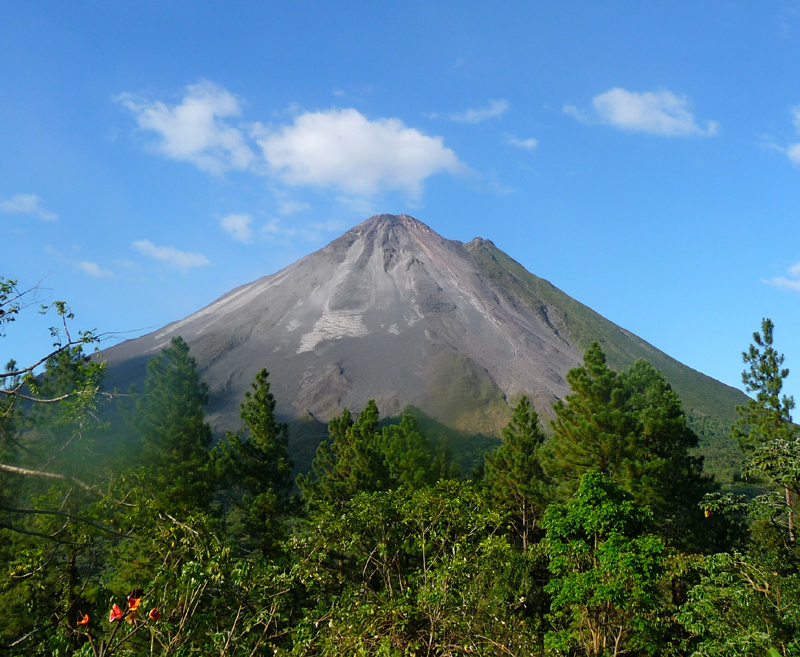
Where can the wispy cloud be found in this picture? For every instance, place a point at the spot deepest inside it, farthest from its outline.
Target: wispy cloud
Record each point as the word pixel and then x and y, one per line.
pixel 495 109
pixel 275 231
pixel 291 207
pixel 792 282
pixel 27 204
pixel 339 149
pixel 342 149
pixel 526 144
pixel 196 130
pixel 93 269
pixel 238 226
pixel 181 260
pixel 792 151
pixel 86 266
pixel 654 112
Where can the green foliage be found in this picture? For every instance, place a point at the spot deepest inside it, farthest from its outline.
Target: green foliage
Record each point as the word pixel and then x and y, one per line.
pixel 606 572
pixel 631 427
pixel 414 573
pixel 764 427
pixel 743 605
pixel 361 457
pixel 594 428
pixel 393 555
pixel 175 436
pixel 768 416
pixel 258 469
pixel 514 475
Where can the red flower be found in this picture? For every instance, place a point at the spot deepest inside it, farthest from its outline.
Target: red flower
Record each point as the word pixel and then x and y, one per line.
pixel 83 621
pixel 154 614
pixel 133 603
pixel 115 615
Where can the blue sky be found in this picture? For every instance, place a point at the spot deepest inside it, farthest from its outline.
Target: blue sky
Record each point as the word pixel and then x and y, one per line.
pixel 643 157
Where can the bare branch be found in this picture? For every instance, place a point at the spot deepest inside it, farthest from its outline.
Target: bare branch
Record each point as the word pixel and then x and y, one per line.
pixel 65 514
pixel 51 475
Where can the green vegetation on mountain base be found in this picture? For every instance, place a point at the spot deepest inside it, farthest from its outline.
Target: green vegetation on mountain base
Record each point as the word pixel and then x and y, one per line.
pixel 593 541
pixel 709 404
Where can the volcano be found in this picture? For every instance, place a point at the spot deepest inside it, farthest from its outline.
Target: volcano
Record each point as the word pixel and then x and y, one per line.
pixel 393 311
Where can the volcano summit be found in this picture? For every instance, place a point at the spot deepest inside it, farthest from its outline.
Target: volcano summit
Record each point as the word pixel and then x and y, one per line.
pixel 393 311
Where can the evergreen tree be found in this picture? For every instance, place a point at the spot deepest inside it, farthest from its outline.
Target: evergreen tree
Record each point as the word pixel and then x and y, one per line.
pixel 631 427
pixel 764 425
pixel 408 454
pixel 662 472
pixel 514 475
pixel 351 461
pixel 768 416
pixel 258 466
pixel 594 428
pixel 360 457
pixel 175 436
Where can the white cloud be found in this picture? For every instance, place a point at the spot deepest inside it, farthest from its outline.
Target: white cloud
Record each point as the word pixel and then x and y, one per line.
pixel 238 226
pixel 93 269
pixel 494 110
pixel 341 148
pixel 785 283
pixel 196 130
pixel 527 144
pixel 291 207
pixel 314 232
pixel 27 204
pixel 181 260
pixel 336 148
pixel 792 151
pixel 653 112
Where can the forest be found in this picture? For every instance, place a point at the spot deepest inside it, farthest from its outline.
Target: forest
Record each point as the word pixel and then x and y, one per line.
pixel 127 528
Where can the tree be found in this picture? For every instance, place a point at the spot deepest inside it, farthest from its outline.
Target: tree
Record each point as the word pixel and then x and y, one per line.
pixel 351 461
pixel 606 572
pixel 258 466
pixel 764 425
pixel 593 428
pixel 768 416
pixel 631 427
pixel 175 436
pixel 514 475
pixel 360 457
pixel 663 472
pixel 408 454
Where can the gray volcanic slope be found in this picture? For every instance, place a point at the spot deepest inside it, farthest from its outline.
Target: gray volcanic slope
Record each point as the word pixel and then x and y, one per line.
pixel 393 311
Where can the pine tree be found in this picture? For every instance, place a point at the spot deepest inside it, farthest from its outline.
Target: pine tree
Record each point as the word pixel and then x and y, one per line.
pixel 408 454
pixel 631 427
pixel 663 473
pixel 360 457
pixel 768 416
pixel 351 461
pixel 514 475
pixel 764 425
pixel 176 438
pixel 258 468
pixel 593 428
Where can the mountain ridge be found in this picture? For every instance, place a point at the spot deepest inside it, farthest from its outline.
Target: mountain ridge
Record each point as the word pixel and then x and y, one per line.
pixel 393 311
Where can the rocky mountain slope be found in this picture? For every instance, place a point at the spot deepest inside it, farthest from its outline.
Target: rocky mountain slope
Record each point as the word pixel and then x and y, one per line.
pixel 392 310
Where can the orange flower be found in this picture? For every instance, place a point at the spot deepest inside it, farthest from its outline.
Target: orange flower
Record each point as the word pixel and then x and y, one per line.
pixel 133 603
pixel 154 614
pixel 130 618
pixel 115 615
pixel 83 621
